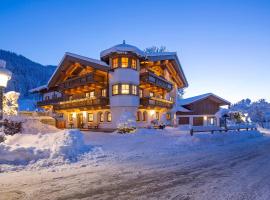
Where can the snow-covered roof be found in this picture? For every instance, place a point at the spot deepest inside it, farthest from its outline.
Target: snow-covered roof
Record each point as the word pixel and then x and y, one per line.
pixel 98 63
pixel 182 109
pixel 122 48
pixel 191 100
pixel 37 89
pixel 168 56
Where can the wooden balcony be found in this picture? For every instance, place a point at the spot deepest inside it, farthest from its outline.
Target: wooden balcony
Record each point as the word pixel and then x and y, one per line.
pixel 64 103
pixel 82 81
pixel 155 102
pixel 151 78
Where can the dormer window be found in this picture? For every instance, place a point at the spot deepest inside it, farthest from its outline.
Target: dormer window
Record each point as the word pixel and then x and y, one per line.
pixel 114 63
pixel 124 62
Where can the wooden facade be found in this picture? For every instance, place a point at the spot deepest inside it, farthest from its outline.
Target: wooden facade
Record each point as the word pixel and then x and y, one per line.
pixel 203 107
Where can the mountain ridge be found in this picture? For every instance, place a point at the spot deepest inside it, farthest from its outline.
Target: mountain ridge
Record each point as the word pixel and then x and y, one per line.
pixel 26 74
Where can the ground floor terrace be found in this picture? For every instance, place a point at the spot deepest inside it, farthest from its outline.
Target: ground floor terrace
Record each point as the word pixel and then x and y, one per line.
pixel 106 119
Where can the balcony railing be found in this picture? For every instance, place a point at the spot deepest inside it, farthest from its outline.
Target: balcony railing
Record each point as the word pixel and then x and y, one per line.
pixel 155 102
pixel 79 81
pixel 153 79
pixel 65 103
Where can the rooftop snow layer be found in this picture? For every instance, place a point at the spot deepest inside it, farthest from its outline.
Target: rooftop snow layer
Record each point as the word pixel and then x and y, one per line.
pixel 200 97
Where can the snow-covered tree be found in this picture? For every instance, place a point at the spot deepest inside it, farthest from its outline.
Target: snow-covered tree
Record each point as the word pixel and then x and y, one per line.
pixel 155 49
pixel 10 103
pixel 126 122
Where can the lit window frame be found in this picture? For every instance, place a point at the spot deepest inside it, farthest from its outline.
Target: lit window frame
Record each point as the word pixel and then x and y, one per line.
pixel 90 119
pixel 109 117
pixel 125 88
pixel 134 63
pixel 104 92
pixel 124 62
pixel 115 89
pixel 115 63
pixel 101 117
pixel 134 89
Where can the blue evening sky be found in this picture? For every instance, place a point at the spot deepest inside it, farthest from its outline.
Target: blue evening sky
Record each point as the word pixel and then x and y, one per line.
pixel 224 46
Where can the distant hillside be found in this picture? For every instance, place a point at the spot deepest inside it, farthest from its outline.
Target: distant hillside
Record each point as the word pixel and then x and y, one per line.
pixel 26 73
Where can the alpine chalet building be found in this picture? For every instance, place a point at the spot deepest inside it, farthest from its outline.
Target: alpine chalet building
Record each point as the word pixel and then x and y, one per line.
pixel 85 92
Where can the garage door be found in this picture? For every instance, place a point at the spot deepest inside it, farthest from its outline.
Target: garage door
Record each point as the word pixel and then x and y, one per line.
pixel 198 121
pixel 183 120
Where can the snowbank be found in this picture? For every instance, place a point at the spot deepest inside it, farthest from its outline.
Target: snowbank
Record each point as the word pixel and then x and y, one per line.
pixel 22 149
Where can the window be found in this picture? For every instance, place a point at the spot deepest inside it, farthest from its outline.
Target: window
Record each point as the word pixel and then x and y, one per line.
pixel 101 117
pixel 90 117
pixel 114 63
pixel 125 89
pixel 141 93
pixel 134 64
pixel 104 92
pixel 124 61
pixel 115 89
pixel 90 94
pixel 138 116
pixel 134 89
pixel 47 97
pixel 157 115
pixel 151 94
pixel 144 116
pixel 70 117
pixel 171 99
pixel 168 116
pixel 109 117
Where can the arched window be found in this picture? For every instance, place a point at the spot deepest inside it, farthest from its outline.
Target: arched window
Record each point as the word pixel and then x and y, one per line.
pixel 144 116
pixel 138 116
pixel 109 117
pixel 101 117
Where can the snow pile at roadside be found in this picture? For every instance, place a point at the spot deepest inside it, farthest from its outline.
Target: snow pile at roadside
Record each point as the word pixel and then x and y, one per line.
pixel 62 146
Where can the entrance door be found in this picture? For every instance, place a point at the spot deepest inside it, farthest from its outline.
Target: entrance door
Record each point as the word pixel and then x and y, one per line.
pixel 80 120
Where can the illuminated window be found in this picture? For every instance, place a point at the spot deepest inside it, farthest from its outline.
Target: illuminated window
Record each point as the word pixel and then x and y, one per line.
pixel 144 116
pixel 125 89
pixel 171 99
pixel 124 61
pixel 70 117
pixel 168 116
pixel 134 89
pixel 90 94
pixel 115 89
pixel 104 92
pixel 157 115
pixel 90 117
pixel 114 63
pixel 151 94
pixel 101 117
pixel 138 116
pixel 141 93
pixel 109 117
pixel 134 63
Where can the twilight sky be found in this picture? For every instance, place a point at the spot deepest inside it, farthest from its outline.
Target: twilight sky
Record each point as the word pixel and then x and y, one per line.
pixel 223 46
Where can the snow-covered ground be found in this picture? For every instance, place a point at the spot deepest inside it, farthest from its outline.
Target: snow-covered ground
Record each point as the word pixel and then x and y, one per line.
pixel 149 164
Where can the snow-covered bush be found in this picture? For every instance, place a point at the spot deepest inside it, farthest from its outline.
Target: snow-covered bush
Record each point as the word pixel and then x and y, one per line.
pixel 126 123
pixel 10 103
pixel 12 127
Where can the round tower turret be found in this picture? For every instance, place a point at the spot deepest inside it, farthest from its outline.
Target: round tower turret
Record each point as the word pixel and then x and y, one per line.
pixel 124 79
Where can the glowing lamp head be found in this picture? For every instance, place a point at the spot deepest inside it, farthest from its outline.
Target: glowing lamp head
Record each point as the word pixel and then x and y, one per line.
pixel 152 112
pixel 5 75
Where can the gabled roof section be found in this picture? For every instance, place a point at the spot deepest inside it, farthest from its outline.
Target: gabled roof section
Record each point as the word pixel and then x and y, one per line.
pixel 194 99
pixel 71 57
pixel 169 56
pixel 38 89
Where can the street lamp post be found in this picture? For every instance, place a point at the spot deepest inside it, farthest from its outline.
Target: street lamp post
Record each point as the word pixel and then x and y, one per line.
pixel 5 76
